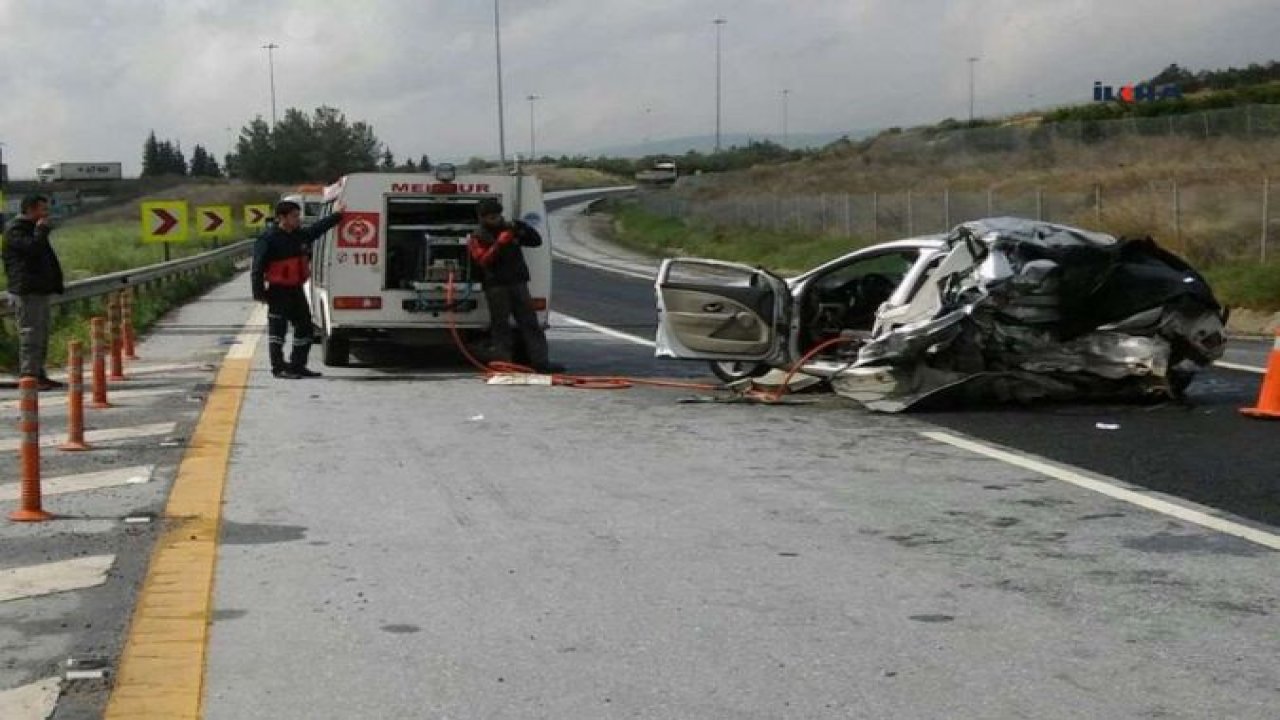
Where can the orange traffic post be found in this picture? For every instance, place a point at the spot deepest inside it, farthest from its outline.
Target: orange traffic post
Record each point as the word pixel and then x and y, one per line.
pixel 29 426
pixel 1268 406
pixel 127 323
pixel 99 363
pixel 75 398
pixel 117 345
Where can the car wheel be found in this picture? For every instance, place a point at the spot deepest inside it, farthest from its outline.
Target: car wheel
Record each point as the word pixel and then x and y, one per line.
pixel 734 370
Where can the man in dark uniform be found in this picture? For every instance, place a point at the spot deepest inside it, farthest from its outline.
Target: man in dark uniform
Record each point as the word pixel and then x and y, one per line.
pixel 495 250
pixel 281 266
pixel 35 275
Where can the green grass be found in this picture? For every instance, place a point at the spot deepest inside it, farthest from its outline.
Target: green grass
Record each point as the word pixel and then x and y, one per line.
pixel 783 252
pixel 1251 285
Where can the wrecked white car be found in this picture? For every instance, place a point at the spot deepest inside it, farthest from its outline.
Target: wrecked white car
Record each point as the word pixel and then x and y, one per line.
pixel 998 310
pixel 746 321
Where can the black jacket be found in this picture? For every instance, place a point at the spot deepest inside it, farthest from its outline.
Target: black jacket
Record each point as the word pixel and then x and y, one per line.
pixel 276 244
pixel 29 261
pixel 508 266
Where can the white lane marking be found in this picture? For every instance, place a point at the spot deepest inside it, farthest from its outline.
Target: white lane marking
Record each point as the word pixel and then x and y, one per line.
pixel 131 370
pixel 606 331
pixel 99 436
pixel 60 400
pixel 36 580
pixel 1243 368
pixel 247 341
pixel 1202 518
pixel 87 481
pixel 36 701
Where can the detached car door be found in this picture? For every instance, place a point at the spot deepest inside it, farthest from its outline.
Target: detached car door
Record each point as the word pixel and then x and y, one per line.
pixel 713 310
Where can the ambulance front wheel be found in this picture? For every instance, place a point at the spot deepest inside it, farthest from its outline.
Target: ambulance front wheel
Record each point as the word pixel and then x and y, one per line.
pixel 337 349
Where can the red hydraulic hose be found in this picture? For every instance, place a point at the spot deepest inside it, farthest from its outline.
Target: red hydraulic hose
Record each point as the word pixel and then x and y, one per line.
pixel 613 382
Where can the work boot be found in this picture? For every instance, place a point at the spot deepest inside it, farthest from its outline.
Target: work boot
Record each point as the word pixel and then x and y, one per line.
pixel 46 383
pixel 298 359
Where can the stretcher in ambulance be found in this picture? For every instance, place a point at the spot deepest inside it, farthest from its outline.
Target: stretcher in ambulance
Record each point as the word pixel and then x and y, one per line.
pixel 382 274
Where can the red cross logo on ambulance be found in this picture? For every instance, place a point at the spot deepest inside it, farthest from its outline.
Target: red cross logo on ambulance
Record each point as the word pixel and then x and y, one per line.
pixel 358 230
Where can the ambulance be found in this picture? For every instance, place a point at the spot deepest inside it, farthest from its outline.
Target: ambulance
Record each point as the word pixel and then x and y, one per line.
pixel 310 198
pixel 383 273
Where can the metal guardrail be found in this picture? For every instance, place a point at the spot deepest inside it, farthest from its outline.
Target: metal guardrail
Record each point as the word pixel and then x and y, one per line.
pixel 113 282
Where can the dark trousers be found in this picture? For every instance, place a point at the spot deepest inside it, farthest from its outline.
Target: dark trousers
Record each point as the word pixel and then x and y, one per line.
pixel 506 301
pixel 288 306
pixel 33 313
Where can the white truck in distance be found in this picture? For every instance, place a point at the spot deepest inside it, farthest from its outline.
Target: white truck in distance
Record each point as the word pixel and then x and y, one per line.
pixel 662 173
pixel 70 171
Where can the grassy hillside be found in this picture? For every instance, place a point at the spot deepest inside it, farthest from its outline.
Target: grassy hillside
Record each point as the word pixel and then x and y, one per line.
pixel 555 178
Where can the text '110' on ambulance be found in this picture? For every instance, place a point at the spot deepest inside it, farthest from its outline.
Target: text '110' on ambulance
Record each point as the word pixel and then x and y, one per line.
pixel 382 274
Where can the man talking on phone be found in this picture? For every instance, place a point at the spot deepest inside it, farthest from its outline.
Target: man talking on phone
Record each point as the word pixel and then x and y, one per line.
pixel 35 276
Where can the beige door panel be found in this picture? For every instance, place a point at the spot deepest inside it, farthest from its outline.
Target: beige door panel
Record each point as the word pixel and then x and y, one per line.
pixel 709 323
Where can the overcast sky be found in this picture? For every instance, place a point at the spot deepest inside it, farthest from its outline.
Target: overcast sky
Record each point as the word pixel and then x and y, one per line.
pixel 87 79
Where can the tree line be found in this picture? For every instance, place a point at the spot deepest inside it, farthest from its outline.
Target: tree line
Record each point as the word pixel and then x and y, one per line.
pixel 165 157
pixel 1229 79
pixel 317 147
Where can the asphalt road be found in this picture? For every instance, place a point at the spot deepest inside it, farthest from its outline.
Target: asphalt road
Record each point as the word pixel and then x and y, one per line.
pixel 406 541
pixel 402 540
pixel 1203 450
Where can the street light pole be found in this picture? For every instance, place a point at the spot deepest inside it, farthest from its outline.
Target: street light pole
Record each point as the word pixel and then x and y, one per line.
pixel 785 93
pixel 271 64
pixel 719 23
pixel 972 61
pixel 502 129
pixel 533 145
pixel 648 127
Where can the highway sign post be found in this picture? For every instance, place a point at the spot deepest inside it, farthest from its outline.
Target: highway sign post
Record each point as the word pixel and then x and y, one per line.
pixel 165 222
pixel 214 222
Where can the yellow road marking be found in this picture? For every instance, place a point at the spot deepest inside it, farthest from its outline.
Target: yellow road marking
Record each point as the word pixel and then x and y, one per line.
pixel 161 671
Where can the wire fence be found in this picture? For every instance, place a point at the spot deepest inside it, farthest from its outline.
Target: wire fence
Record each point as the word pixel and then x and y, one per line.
pixel 1242 122
pixel 1209 221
